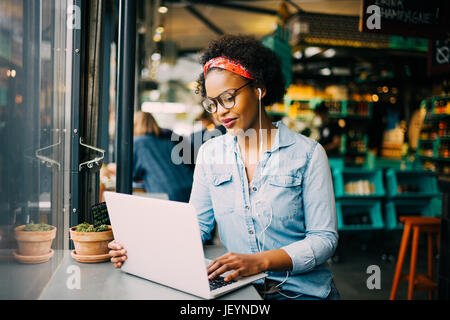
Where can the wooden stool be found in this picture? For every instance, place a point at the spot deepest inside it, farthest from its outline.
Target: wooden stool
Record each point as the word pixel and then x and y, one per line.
pixel 419 282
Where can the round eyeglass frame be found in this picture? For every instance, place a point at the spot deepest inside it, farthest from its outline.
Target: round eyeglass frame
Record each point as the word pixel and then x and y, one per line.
pixel 231 92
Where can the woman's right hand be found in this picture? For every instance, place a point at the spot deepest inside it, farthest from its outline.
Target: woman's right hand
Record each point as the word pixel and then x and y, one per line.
pixel 117 253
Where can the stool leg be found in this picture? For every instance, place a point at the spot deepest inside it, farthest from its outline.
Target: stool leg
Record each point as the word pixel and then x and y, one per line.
pixel 430 262
pixel 400 259
pixel 412 269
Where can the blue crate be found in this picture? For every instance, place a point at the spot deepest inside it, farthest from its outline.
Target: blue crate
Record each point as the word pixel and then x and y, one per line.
pixel 424 181
pixel 406 207
pixel 347 210
pixel 342 177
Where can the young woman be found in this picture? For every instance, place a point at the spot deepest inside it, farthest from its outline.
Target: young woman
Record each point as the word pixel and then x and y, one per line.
pixel 268 188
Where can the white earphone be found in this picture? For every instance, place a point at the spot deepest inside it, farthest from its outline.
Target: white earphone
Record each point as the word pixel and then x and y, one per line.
pixel 260 130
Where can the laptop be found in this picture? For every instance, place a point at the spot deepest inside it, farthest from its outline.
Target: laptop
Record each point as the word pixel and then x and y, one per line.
pixel 163 244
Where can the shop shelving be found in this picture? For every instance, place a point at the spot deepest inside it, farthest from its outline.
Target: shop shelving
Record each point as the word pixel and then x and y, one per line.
pixel 339 108
pixel 411 184
pixel 434 143
pixel 373 178
pixel 359 215
pixel 406 207
pixel 388 163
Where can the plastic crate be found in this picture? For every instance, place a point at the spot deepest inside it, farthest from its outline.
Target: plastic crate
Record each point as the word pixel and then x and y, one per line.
pixel 347 175
pixel 359 215
pixel 421 184
pixel 406 207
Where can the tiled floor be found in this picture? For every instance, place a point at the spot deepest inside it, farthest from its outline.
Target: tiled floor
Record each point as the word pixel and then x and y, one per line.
pixel 356 252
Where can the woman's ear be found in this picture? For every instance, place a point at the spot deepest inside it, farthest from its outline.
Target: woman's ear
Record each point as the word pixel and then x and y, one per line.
pixel 260 92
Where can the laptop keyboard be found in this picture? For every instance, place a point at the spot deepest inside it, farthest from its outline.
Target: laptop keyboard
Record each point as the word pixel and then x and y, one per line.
pixel 219 282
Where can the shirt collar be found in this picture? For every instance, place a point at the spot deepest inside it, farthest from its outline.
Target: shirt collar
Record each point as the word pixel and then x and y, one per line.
pixel 283 137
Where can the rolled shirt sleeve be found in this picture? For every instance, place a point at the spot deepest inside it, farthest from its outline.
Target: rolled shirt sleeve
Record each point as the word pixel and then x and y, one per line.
pixel 321 237
pixel 200 198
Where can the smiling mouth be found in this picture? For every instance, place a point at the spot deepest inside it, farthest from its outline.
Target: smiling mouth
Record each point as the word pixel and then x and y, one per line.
pixel 229 122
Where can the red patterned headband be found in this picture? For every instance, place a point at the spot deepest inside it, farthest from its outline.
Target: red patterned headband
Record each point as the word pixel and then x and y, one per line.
pixel 227 64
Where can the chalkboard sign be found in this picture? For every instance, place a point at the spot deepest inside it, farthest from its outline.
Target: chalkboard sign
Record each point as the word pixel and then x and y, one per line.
pixel 413 18
pixel 100 214
pixel 439 56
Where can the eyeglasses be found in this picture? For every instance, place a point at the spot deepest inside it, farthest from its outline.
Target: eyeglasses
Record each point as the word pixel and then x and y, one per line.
pixel 226 99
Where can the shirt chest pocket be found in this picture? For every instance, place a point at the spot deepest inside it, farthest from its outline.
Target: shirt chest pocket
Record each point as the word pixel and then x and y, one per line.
pixel 286 192
pixel 222 193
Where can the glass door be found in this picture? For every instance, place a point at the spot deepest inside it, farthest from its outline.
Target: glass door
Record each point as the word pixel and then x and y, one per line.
pixel 35 117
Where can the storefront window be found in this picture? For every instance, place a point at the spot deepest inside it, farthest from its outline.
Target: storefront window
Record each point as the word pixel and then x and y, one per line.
pixel 35 88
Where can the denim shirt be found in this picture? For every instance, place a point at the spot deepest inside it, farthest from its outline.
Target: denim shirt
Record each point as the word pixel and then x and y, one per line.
pixel 288 205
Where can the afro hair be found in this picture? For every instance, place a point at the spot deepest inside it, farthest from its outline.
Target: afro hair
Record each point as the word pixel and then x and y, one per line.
pixel 260 61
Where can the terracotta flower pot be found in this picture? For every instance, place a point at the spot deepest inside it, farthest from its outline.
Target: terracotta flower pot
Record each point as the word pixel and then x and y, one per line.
pixel 34 243
pixel 91 243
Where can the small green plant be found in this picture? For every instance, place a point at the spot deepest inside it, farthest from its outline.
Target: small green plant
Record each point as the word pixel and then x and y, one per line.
pixel 86 227
pixel 37 227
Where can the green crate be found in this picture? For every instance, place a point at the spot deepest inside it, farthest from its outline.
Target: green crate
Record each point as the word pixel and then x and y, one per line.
pixel 424 182
pixel 406 207
pixel 359 215
pixel 342 177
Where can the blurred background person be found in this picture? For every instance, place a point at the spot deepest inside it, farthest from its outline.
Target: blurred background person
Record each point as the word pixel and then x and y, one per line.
pixel 153 163
pixel 330 132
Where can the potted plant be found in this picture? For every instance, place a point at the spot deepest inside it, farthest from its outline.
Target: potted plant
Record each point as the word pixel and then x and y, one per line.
pixel 91 243
pixel 34 242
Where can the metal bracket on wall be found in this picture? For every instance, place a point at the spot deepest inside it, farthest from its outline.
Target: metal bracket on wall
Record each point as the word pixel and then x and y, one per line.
pixel 96 160
pixel 46 160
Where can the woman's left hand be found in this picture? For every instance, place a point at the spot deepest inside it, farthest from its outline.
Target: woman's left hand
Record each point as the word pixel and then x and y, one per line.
pixel 241 264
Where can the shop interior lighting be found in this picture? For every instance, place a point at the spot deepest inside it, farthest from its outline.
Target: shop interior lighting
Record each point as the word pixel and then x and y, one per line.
pixel 375 98
pixel 11 73
pixel 156 56
pixel 325 71
pixel 329 53
pixel 297 54
pixel 311 51
pixel 163 9
pixel 157 37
